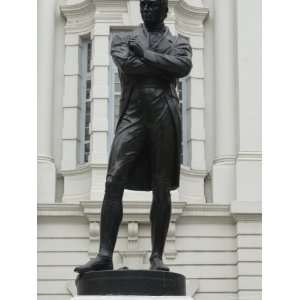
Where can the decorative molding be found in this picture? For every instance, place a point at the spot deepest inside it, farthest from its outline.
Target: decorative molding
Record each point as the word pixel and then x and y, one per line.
pixel 84 168
pixel 94 235
pixel 79 17
pixel 59 210
pixel 94 230
pixel 75 9
pixel 249 156
pixel 207 210
pixel 190 18
pixel 186 171
pixel 133 211
pixel 133 235
pixel 225 160
pixel 45 159
pixel 138 211
pixel 246 211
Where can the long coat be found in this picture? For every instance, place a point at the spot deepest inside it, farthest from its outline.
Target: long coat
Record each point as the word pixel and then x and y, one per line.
pixel 168 59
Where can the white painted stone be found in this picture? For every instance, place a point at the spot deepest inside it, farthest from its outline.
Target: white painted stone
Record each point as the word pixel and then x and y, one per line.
pixel 100 82
pixel 45 55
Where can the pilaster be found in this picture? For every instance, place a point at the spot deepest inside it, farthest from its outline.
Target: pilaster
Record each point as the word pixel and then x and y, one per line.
pixel 46 46
pixel 223 172
pixel 248 165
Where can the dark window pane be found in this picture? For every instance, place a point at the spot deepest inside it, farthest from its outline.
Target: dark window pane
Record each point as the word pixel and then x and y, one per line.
pixel 87 148
pixel 89 56
pixel 87 134
pixel 87 119
pixel 88 107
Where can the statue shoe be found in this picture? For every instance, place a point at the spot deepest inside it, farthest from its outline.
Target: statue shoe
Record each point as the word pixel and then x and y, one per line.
pixel 99 263
pixel 156 264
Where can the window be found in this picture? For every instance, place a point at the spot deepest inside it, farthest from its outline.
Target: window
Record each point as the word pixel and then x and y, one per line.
pixel 85 96
pixel 182 95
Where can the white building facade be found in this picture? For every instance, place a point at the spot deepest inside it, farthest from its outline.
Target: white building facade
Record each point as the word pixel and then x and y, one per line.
pixel 214 237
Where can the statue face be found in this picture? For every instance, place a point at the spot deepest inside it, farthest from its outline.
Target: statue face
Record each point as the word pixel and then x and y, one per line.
pixel 151 12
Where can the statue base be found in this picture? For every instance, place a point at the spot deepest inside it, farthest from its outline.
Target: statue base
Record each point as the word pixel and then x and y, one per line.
pixel 130 282
pixel 132 298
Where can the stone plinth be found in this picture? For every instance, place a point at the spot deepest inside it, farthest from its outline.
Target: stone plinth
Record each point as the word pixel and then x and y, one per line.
pixel 132 298
pixel 131 282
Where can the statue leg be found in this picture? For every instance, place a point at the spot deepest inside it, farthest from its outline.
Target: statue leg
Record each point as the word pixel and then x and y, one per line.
pixel 163 161
pixel 160 219
pixel 111 217
pixel 126 145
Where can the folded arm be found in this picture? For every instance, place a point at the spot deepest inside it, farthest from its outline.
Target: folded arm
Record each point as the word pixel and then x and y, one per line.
pixel 129 63
pixel 177 65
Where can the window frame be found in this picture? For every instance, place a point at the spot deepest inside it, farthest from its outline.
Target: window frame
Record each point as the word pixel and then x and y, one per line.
pixel 85 76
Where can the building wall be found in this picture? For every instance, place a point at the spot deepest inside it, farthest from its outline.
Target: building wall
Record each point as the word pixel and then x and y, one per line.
pixel 215 231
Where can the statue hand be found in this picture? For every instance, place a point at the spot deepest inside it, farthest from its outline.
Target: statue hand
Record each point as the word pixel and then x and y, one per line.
pixel 136 47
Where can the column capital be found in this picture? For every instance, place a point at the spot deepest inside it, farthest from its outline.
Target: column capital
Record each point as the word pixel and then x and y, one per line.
pixel 190 17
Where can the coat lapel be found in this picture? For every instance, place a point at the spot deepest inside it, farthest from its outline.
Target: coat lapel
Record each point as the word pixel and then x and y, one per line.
pixel 162 45
pixel 162 42
pixel 142 34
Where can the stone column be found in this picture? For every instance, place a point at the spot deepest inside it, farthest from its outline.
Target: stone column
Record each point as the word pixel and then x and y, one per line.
pixel 223 174
pixel 248 165
pixel 46 43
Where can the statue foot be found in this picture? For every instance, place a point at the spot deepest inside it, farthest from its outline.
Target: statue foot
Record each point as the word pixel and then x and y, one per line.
pixel 99 263
pixel 156 264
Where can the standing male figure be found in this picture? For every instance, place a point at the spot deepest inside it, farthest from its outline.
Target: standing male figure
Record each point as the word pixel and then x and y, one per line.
pixel 145 153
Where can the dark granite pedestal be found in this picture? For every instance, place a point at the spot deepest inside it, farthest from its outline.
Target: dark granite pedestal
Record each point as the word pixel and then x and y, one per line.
pixel 131 282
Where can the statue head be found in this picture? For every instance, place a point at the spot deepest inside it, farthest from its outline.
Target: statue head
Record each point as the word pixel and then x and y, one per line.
pixel 153 11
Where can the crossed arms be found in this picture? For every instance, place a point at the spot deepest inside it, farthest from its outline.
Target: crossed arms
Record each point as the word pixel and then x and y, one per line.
pixel 132 59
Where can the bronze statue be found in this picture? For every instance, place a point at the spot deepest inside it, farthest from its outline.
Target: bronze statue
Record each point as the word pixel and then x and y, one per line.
pixel 145 153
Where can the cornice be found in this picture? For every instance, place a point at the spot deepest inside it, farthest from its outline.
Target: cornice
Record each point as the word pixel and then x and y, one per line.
pixel 190 8
pixel 59 210
pixel 45 158
pixel 84 168
pixel 207 210
pixel 246 211
pixel 134 211
pixel 190 18
pixel 186 171
pixel 225 160
pixel 81 169
pixel 71 10
pixel 249 155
